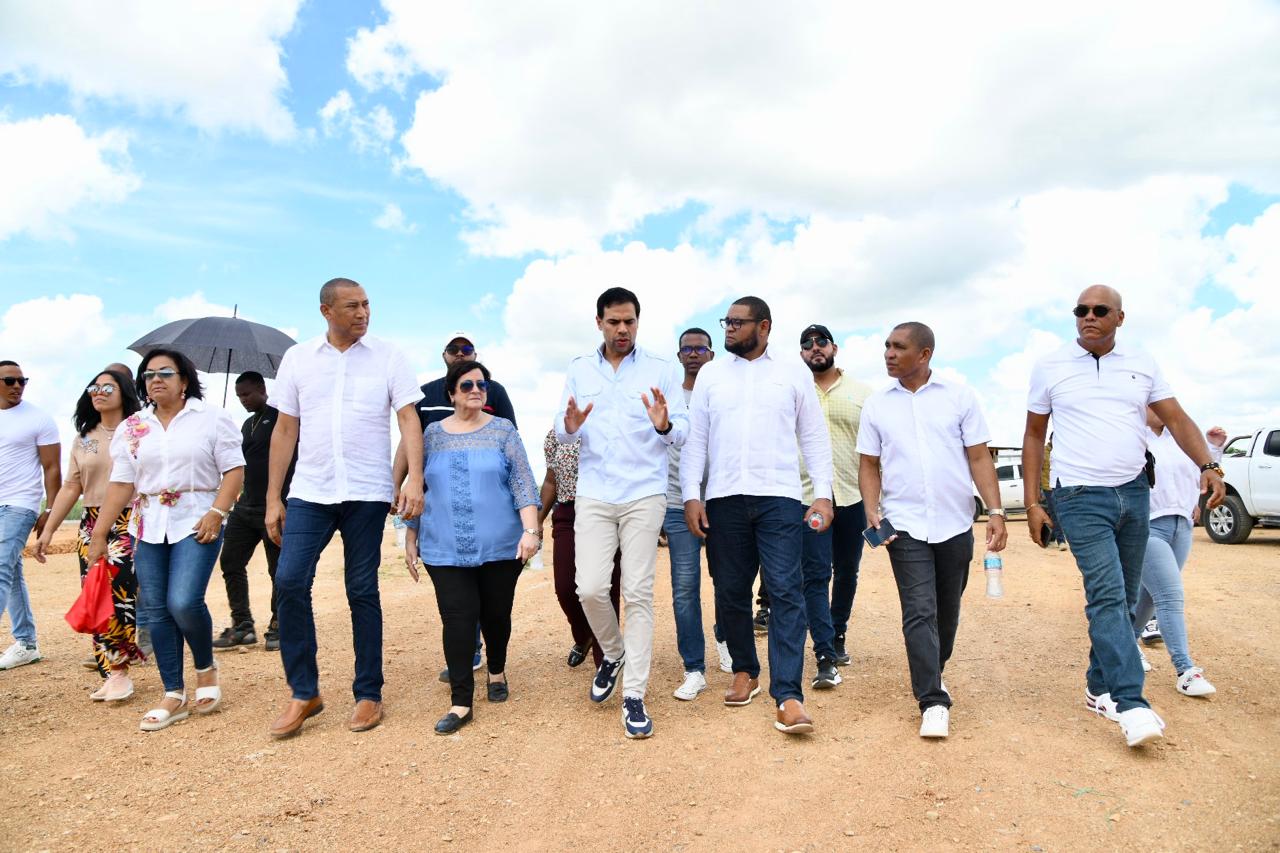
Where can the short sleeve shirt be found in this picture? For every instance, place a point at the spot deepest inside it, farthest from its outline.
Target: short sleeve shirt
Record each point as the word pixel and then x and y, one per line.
pixel 89 466
pixel 562 460
pixel 23 430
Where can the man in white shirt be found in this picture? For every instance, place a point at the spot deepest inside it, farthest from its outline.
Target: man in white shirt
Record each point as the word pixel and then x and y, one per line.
pixel 1098 393
pixel 30 468
pixel 751 416
pixel 626 405
pixel 923 445
pixel 335 396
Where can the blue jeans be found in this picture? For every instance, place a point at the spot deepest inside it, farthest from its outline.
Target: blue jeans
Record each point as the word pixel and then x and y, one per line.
pixel 1168 546
pixel 175 576
pixel 16 524
pixel 685 551
pixel 815 565
pixel 1046 500
pixel 1107 529
pixel 307 530
pixel 846 557
pixel 749 532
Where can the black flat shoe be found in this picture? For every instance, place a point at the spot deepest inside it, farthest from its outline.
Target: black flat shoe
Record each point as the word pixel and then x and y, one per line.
pixel 498 691
pixel 577 655
pixel 451 722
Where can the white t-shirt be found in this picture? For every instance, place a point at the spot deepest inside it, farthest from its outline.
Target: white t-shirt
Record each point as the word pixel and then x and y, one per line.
pixel 1177 489
pixel 1099 410
pixel 23 429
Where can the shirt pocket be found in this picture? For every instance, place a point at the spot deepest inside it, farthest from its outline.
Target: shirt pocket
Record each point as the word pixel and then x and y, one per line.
pixel 368 394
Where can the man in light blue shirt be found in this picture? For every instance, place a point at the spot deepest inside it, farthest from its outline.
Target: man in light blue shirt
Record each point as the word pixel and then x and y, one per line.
pixel 627 406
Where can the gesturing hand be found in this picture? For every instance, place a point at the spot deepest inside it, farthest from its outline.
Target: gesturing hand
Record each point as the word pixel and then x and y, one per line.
pixel 575 417
pixel 657 409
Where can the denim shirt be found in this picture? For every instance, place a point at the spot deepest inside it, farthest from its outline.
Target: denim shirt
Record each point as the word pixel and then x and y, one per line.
pixel 476 484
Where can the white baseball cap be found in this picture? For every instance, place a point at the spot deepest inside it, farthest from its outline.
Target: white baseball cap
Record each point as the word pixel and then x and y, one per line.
pixel 466 336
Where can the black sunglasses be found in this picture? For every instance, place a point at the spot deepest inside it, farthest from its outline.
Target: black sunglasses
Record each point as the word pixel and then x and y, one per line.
pixel 809 343
pixel 736 322
pixel 16 380
pixel 1099 311
pixel 700 350
pixel 464 349
pixel 466 385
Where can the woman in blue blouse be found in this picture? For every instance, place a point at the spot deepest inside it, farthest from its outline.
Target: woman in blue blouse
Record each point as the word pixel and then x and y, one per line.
pixel 478 529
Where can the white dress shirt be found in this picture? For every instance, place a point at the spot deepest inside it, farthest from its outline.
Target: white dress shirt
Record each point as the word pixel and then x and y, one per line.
pixel 1099 410
pixel 622 457
pixel 926 485
pixel 750 420
pixel 343 402
pixel 1177 489
pixel 201 444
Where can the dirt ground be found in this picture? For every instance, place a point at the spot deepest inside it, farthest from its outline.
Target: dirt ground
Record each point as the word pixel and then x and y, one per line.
pixel 1026 766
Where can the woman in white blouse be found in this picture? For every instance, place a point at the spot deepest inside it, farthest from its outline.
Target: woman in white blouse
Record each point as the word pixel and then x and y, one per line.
pixel 180 463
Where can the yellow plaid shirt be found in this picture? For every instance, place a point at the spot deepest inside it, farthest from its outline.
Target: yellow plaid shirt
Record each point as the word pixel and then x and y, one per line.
pixel 842 408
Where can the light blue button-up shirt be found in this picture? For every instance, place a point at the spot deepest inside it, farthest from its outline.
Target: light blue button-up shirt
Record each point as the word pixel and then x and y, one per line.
pixel 622 458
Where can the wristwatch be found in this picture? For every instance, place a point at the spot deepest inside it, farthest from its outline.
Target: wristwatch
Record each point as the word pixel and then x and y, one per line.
pixel 531 531
pixel 1214 467
pixel 222 512
pixel 663 431
pixel 996 511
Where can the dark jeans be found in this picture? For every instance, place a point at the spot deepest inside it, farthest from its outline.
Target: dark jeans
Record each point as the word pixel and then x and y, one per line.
pixel 1107 529
pixel 246 527
pixel 747 533
pixel 307 530
pixel 931 578
pixel 564 567
pixel 175 577
pixel 1046 498
pixel 846 554
pixel 815 566
pixel 467 596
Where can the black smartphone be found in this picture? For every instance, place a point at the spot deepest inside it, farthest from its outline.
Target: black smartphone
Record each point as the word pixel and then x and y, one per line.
pixel 1046 534
pixel 877 536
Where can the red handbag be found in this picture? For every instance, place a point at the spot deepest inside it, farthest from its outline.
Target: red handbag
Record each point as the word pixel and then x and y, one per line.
pixel 94 608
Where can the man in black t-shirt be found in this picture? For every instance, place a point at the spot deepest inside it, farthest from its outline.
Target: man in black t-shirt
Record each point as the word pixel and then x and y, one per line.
pixel 246 526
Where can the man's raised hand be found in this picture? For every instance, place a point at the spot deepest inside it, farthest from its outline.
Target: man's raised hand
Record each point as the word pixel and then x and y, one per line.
pixel 575 417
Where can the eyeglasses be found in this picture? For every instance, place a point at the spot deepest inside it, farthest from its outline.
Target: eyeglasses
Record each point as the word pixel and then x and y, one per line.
pixel 463 349
pixel 163 373
pixel 106 389
pixel 1099 311
pixel 809 343
pixel 735 323
pixel 466 385
pixel 16 380
pixel 691 350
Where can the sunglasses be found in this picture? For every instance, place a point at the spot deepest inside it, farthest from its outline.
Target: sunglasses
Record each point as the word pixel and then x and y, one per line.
pixel 809 343
pixel 16 380
pixel 464 349
pixel 691 350
pixel 106 389
pixel 735 323
pixel 163 373
pixel 466 385
pixel 1099 311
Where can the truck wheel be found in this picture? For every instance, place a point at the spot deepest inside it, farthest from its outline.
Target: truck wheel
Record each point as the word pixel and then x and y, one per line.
pixel 977 509
pixel 1229 523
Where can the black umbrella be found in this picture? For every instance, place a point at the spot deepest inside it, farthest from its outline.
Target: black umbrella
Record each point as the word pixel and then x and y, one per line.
pixel 220 345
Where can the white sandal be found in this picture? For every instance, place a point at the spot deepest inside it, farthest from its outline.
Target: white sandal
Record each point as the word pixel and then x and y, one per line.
pixel 212 692
pixel 104 694
pixel 160 718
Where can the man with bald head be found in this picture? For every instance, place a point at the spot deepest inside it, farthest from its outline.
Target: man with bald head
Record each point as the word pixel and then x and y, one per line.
pixel 1098 392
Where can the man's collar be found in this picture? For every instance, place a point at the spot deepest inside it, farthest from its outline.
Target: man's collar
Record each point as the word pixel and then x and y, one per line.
pixel 635 348
pixel 765 354
pixel 934 379
pixel 1081 352
pixel 323 341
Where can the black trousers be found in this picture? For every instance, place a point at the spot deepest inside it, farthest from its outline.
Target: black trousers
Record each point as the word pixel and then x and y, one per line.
pixel 931 579
pixel 466 595
pixel 246 527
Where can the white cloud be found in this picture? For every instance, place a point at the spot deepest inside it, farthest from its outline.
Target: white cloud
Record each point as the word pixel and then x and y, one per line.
pixel 217 64
pixel 189 307
pixel 370 132
pixel 392 219
pixel 49 167
pixel 562 125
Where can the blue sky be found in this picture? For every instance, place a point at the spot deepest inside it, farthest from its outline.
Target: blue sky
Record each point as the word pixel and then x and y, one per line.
pixel 493 170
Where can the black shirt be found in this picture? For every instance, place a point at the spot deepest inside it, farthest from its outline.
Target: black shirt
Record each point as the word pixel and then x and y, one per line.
pixel 256 445
pixel 435 406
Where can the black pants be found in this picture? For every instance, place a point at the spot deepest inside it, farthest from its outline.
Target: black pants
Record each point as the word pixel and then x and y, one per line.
pixel 467 595
pixel 246 527
pixel 931 579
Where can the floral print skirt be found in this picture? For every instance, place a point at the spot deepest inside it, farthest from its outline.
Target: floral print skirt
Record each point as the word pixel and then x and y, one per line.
pixel 117 646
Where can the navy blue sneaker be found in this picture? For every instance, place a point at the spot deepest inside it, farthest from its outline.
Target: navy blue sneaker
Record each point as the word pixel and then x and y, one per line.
pixel 635 720
pixel 606 679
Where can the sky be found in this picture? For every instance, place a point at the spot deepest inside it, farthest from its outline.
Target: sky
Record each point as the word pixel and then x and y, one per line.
pixel 494 167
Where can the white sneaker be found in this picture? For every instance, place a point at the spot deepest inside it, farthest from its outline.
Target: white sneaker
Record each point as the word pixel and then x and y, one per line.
pixel 1101 705
pixel 1151 632
pixel 1193 683
pixel 1062 546
pixel 935 721
pixel 1146 664
pixel 19 654
pixel 694 683
pixel 726 659
pixel 1141 725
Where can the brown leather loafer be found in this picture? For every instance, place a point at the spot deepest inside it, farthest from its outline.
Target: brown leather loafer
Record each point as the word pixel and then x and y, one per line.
pixel 744 689
pixel 792 719
pixel 367 715
pixel 297 712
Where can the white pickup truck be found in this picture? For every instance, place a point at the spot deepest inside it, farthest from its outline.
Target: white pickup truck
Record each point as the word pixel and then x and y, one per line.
pixel 1251 464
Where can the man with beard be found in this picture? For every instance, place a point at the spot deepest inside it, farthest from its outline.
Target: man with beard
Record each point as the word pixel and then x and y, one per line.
pixel 751 416
pixel 840 546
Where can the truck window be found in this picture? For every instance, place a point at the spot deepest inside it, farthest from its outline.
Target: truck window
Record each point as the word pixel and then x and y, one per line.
pixel 1006 472
pixel 1272 447
pixel 1238 446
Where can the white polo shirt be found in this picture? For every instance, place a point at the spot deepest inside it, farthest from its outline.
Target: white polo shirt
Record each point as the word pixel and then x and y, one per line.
pixel 1099 410
pixel 343 402
pixel 926 486
pixel 1177 489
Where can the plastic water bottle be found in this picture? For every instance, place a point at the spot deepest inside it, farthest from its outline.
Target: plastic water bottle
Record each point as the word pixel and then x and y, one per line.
pixel 994 568
pixel 814 520
pixel 397 523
